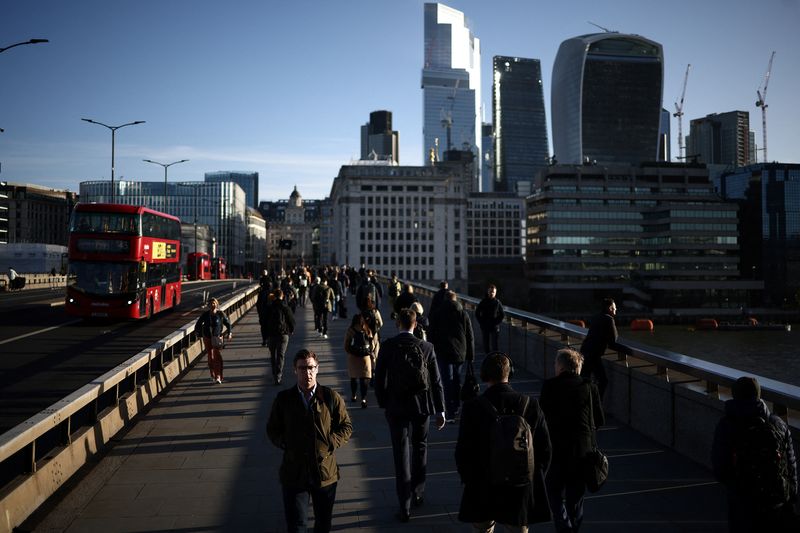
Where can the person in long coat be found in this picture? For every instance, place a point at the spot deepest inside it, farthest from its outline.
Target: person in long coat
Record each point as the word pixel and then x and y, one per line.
pixel 573 409
pixel 482 503
pixel 361 344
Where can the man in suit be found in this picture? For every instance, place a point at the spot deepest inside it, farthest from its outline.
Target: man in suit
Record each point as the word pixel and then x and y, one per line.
pixel 573 410
pixel 601 336
pixel 484 504
pixel 408 413
pixel 308 422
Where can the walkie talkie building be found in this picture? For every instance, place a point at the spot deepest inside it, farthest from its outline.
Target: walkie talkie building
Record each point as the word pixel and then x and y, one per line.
pixel 606 99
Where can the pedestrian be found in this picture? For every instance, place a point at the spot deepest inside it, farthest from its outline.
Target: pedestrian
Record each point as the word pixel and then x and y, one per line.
pixel 573 411
pixel 405 298
pixel 490 315
pixel 262 303
pixel 336 287
pixel 438 298
pixel 361 345
pixel 322 300
pixel 393 289
pixel 374 319
pixel 309 422
pixel 753 456
pixel 601 336
pixel 302 287
pixel 451 333
pixel 486 501
pixel 210 327
pixel 421 329
pixel 280 325
pixel 408 386
pixel 369 289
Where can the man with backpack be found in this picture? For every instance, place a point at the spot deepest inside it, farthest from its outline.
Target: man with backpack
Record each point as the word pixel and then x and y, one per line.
pixel 752 454
pixel 279 321
pixel 409 388
pixel 502 454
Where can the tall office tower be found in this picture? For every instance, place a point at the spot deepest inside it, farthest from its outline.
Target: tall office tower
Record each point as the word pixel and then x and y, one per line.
pixel 664 146
pixel 378 141
pixel 721 138
pixel 246 180
pixel 451 87
pixel 606 99
pixel 487 158
pixel 520 141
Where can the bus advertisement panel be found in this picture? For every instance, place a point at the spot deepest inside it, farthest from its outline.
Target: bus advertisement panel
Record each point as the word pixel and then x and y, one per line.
pixel 124 261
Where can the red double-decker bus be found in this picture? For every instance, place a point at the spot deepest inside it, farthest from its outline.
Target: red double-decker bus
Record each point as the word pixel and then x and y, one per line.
pixel 124 261
pixel 219 269
pixel 198 266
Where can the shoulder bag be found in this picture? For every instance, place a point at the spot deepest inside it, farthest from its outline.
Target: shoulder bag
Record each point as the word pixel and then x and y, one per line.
pixel 595 463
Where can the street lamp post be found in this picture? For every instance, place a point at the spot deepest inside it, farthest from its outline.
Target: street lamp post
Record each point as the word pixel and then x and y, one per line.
pixel 29 41
pixel 113 132
pixel 166 166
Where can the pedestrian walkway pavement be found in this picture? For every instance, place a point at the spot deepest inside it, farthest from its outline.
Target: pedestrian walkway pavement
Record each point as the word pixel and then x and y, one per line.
pixel 199 461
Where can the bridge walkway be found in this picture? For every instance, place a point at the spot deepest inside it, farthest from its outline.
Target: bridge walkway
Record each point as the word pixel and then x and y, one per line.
pixel 199 460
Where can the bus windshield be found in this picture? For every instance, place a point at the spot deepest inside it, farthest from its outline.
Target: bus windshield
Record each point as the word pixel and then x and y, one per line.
pixel 120 223
pixel 95 277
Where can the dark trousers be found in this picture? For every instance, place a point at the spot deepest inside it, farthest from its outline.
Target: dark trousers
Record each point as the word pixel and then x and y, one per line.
pixel 354 384
pixel 565 490
pixel 321 321
pixel 491 338
pixel 593 366
pixel 410 451
pixel 277 351
pixel 451 383
pixel 295 508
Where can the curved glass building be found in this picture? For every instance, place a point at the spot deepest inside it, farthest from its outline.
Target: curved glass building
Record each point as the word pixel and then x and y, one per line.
pixel 606 99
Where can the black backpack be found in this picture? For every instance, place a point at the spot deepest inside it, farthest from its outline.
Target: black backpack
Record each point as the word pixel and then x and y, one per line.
pixel 359 344
pixel 761 469
pixel 280 316
pixel 510 445
pixel 410 373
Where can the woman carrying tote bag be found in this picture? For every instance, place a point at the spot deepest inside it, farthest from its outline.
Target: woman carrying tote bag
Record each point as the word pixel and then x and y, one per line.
pixel 209 327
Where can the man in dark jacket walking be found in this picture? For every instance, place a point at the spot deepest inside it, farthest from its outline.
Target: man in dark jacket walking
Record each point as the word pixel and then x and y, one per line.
pixel 280 324
pixel 484 504
pixel 405 299
pixel 601 336
pixel 760 496
pixel 490 315
pixel 407 413
pixel 438 298
pixel 451 333
pixel 308 422
pixel 573 411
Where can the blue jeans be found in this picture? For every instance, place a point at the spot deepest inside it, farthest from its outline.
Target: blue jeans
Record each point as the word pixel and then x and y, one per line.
pixel 295 508
pixel 451 383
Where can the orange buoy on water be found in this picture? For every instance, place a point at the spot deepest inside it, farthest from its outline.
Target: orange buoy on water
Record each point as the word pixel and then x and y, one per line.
pixel 706 324
pixel 642 324
pixel 580 323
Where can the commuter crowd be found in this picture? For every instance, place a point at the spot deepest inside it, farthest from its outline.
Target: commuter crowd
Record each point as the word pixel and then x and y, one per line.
pixel 521 460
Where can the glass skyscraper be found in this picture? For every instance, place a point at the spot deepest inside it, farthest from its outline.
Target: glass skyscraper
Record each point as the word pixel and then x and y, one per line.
pixel 451 86
pixel 246 180
pixel 606 99
pixel 520 140
pixel 720 138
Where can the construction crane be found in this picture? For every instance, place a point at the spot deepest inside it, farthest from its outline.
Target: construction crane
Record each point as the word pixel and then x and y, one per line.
pixel 447 118
pixel 679 113
pixel 762 103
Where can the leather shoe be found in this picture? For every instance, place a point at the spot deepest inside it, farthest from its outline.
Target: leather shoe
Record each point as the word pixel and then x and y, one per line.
pixel 403 516
pixel 418 500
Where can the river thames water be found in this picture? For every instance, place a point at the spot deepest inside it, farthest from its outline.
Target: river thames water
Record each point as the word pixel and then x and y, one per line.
pixel 772 354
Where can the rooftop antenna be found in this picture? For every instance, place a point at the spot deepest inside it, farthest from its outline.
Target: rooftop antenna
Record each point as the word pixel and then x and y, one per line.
pixel 601 27
pixel 679 113
pixel 762 103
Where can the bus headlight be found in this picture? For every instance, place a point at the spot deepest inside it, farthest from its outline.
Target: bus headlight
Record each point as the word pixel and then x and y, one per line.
pixel 72 300
pixel 130 302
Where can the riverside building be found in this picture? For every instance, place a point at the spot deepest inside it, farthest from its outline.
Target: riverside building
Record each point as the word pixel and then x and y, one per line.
pixel 657 237
pixel 406 219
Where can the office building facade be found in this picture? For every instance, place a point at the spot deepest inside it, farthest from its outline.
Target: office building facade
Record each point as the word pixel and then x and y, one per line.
pixel 606 99
pixel 451 87
pixel 664 140
pixel 656 237
pixel 221 206
pixel 520 127
pixel 34 214
pixel 248 181
pixel 405 219
pixel 378 140
pixel 720 139
pixel 769 198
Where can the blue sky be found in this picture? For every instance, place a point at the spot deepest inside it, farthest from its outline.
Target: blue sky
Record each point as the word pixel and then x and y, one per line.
pixel 282 88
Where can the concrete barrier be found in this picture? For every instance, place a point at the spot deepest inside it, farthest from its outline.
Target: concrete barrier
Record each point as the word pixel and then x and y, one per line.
pixel 41 454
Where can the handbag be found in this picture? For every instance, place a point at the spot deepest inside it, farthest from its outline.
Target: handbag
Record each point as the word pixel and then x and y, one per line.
pixel 217 342
pixel 470 388
pixel 595 463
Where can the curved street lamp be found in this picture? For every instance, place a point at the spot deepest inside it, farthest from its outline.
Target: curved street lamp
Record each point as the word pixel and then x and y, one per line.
pixel 30 41
pixel 166 166
pixel 113 132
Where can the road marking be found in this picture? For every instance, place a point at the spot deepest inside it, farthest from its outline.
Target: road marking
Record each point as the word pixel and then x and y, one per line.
pixel 6 341
pixel 659 489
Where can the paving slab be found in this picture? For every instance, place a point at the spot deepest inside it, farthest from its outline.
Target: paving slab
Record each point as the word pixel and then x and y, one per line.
pixel 199 460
